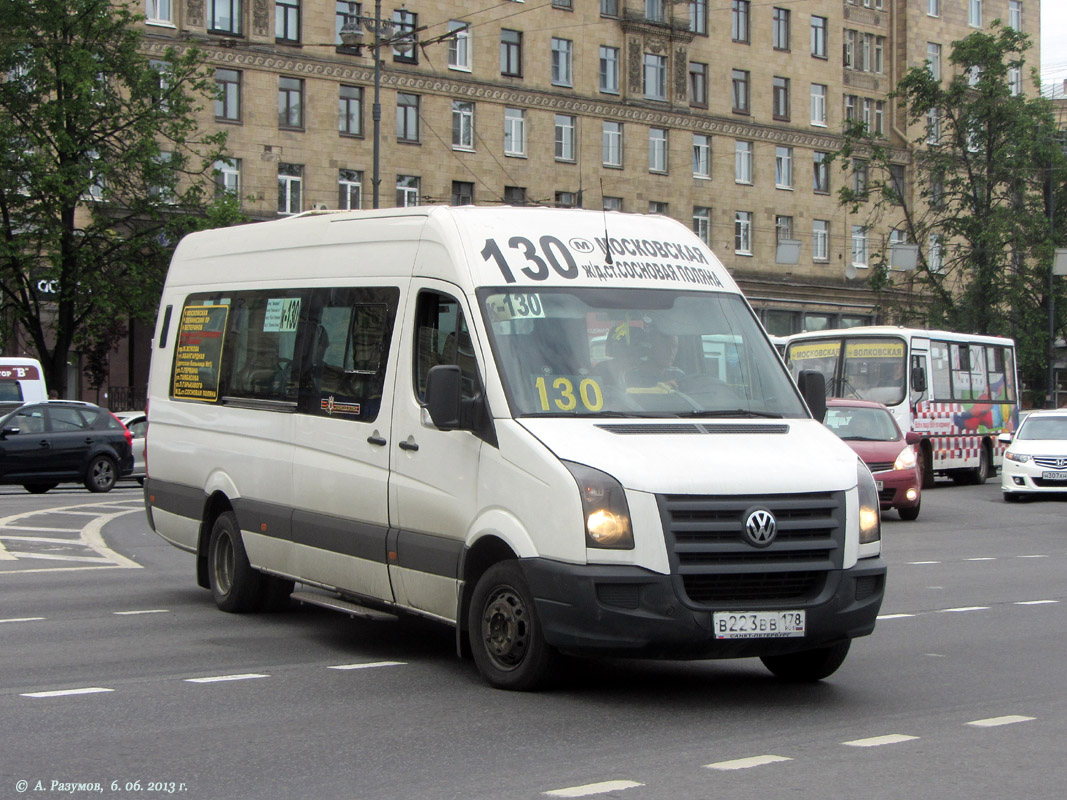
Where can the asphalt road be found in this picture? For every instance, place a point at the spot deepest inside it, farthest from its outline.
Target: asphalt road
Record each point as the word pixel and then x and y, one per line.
pixel 117 670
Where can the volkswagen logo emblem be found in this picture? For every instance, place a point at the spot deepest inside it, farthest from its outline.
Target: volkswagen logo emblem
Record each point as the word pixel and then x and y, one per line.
pixel 760 527
pixel 1061 463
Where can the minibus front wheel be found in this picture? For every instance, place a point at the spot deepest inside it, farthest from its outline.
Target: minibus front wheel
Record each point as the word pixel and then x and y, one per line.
pixel 505 633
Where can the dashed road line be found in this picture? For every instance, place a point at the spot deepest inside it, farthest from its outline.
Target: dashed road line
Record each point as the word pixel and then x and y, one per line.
pixel 22 619
pixel 248 676
pixel 879 741
pixel 144 611
pixel 369 665
pixel 591 789
pixel 961 609
pixel 994 722
pixel 1036 602
pixel 68 692
pixel 746 763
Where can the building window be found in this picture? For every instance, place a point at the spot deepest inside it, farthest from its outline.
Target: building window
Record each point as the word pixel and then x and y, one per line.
pixel 739 90
pixel 1015 14
pixel 820 240
pixel 405 22
pixel 515 195
pixel 462 125
pixel 345 12
pixel 514 132
pixel 783 167
pixel 290 188
pixel 821 176
pixel 609 70
pixel 566 5
pixel 612 144
pixel 851 101
pixel 742 162
pixel 462 193
pixel 407 117
pixel 935 261
pixel 225 16
pixel 228 177
pixel 158 11
pixel 612 203
pixel 562 62
pixel 566 200
pixel 933 59
pixel 859 177
pixel 702 223
pixel 743 233
pixel 701 155
pixel 1015 81
pixel 783 228
pixel 287 21
pixel 655 77
pixel 511 53
pixel 350 189
pixel 228 99
pixel 780 98
pixel 896 183
pixel 780 28
pixel 818 36
pixel 739 19
pixel 974 13
pixel 610 8
pixel 655 10
pixel 698 16
pixel 818 105
pixel 933 125
pixel 564 137
pixel 350 110
pixel 290 103
pixel 698 84
pixel 407 190
pixel 859 246
pixel 658 207
pixel 657 149
pixel 459 46
pixel 933 8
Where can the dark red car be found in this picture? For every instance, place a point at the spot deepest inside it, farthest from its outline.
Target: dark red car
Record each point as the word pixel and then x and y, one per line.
pixel 870 430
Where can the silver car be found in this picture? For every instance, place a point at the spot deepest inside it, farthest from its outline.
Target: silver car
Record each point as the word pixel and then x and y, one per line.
pixel 136 423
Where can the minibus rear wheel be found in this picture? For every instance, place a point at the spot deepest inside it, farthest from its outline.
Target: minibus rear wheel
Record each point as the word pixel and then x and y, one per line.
pixel 808 666
pixel 236 587
pixel 505 633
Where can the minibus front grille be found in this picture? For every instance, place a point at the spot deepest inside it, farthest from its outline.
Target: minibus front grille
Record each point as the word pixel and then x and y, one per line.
pixel 658 429
pixel 717 564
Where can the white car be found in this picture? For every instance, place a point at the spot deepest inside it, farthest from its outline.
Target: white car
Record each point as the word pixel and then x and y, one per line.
pixel 137 423
pixel 1036 458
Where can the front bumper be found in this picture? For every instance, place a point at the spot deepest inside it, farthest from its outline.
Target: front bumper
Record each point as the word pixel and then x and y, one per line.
pixel 895 485
pixel 1027 478
pixel 630 611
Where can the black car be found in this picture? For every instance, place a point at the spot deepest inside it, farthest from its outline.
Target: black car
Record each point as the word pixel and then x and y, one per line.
pixel 59 441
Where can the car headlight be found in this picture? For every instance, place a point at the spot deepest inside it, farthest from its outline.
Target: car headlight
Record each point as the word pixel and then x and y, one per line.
pixel 607 517
pixel 870 508
pixel 906 459
pixel 1019 458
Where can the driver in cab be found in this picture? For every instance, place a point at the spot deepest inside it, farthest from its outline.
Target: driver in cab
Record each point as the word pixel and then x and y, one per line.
pixel 657 368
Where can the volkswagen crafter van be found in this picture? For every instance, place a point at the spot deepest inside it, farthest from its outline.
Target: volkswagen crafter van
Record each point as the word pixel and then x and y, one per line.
pixel 559 431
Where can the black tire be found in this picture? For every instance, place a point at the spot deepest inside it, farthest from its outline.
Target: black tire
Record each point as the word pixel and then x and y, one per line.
pixel 981 472
pixel 505 634
pixel 926 467
pixel 101 474
pixel 809 665
pixel 236 587
pixel 39 488
pixel 910 514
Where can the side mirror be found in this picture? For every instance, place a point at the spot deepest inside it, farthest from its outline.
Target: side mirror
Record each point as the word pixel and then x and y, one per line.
pixel 918 380
pixel 913 437
pixel 812 387
pixel 444 396
pixel 10 431
pixel 1004 438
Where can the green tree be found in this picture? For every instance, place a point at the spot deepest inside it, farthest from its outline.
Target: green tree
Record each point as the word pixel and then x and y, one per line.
pixel 102 170
pixel 971 191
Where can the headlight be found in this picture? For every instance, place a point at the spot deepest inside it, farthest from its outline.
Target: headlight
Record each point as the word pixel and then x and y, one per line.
pixel 607 517
pixel 870 508
pixel 906 459
pixel 1019 458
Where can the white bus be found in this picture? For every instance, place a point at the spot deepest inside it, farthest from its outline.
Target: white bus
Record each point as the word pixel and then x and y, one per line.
pixel 555 430
pixel 958 390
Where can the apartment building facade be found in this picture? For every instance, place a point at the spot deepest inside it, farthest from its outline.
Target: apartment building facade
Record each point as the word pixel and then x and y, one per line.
pixel 719 113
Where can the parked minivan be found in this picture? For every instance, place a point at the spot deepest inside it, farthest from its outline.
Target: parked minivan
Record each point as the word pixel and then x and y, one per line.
pixel 558 431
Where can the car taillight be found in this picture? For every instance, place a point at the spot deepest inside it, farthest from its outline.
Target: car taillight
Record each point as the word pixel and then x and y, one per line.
pixel 125 431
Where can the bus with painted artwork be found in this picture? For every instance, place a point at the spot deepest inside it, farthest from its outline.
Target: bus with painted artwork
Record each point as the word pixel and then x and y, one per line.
pixel 557 431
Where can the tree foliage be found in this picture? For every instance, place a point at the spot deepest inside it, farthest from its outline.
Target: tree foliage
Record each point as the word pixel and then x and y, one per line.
pixel 975 196
pixel 102 170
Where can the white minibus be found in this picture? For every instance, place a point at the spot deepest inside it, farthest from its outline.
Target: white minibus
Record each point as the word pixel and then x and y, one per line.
pixel 21 381
pixel 562 432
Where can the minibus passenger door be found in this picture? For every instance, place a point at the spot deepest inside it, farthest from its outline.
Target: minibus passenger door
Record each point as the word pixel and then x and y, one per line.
pixel 434 482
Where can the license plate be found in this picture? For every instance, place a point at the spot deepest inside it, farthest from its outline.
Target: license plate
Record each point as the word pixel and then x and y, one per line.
pixel 758 624
pixel 1054 476
pixel 879 485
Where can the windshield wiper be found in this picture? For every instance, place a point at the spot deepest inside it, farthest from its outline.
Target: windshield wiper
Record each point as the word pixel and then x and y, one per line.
pixel 733 412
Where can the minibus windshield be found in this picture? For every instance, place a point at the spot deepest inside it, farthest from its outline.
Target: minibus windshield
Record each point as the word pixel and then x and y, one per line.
pixel 634 352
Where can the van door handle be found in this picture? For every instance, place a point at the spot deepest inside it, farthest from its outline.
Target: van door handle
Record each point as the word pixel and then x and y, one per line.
pixel 375 439
pixel 409 444
pixel 44 443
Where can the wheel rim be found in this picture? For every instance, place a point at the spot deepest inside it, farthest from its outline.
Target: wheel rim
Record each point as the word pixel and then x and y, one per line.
pixel 103 474
pixel 506 628
pixel 224 563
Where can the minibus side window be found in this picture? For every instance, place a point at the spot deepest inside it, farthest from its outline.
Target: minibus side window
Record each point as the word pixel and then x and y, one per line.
pixel 442 337
pixel 262 338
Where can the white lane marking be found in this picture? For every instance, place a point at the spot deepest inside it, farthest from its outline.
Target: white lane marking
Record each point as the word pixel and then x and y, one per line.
pixel 878 741
pixel 68 692
pixel 145 611
pixel 92 535
pixel 917 563
pixel 54 557
pixel 39 539
pixel 222 678
pixel 981 558
pixel 21 619
pixel 994 722
pixel 370 665
pixel 894 616
pixel 35 530
pixel 1036 602
pixel 593 788
pixel 746 763
pixel 1033 556
pixel 961 609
